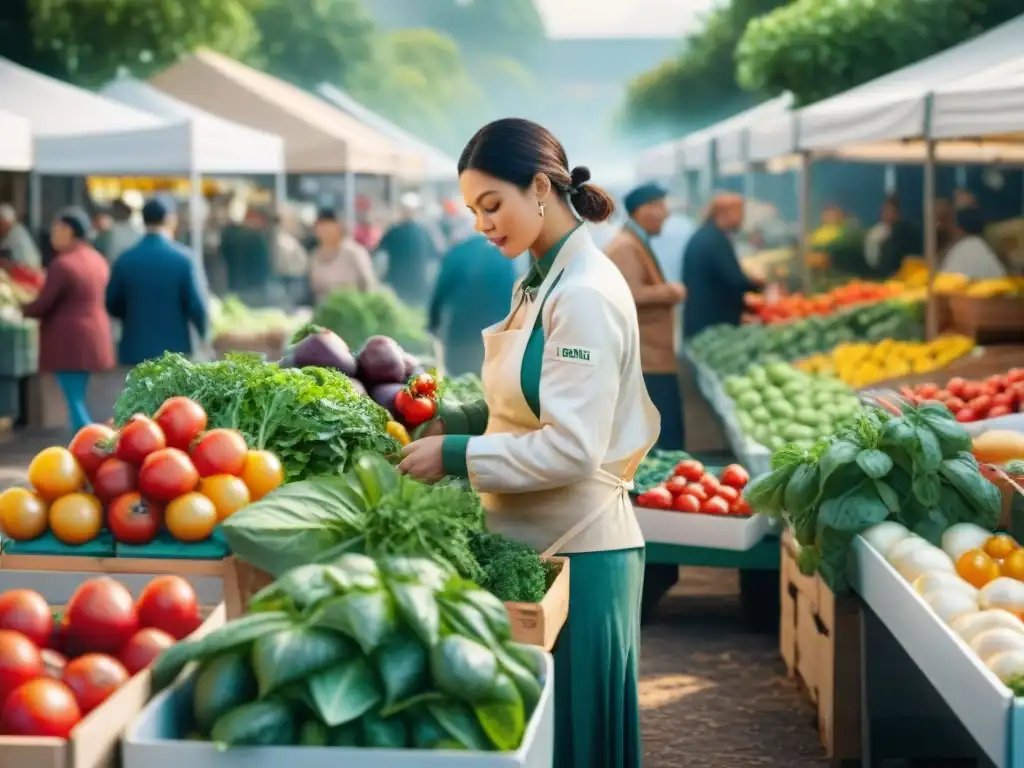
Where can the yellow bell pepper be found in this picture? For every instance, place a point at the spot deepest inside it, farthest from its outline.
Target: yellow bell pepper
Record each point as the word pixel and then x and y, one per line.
pixel 399 432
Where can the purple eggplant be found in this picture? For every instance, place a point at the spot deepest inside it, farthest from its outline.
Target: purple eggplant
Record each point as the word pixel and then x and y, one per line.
pixel 326 349
pixel 384 395
pixel 357 385
pixel 381 361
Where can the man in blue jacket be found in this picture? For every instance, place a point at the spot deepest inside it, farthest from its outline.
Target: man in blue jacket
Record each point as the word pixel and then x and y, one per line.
pixel 157 291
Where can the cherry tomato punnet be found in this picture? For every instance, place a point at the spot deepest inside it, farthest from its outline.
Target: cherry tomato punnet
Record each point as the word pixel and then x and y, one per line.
pixel 219 452
pixel 181 420
pixel 138 438
pixel 167 474
pixel 90 447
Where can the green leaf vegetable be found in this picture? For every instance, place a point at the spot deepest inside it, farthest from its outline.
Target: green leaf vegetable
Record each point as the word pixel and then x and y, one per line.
pixel 914 468
pixel 357 315
pixel 375 510
pixel 311 419
pixel 441 671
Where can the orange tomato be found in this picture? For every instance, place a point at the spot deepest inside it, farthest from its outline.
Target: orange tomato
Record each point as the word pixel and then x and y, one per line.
pixel 22 514
pixel 55 473
pixel 227 492
pixel 1013 565
pixel 1000 546
pixel 76 518
pixel 191 517
pixel 976 568
pixel 262 473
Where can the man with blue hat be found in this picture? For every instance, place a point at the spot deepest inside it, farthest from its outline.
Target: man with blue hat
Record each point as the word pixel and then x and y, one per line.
pixel 157 291
pixel 656 301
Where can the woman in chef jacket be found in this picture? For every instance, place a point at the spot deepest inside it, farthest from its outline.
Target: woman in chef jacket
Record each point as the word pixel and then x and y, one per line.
pixel 553 448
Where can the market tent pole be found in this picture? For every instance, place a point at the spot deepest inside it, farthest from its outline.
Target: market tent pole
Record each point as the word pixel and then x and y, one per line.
pixel 804 217
pixel 931 235
pixel 35 201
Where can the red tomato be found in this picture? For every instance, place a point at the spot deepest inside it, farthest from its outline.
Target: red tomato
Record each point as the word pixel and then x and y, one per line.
pixel 169 603
pixel 740 507
pixel 686 503
pixel 143 649
pixel 966 415
pixel 728 493
pixel 969 390
pixel 20 661
pixel 927 391
pixel 676 485
pixel 167 474
pixel 956 386
pixel 93 678
pixel 114 478
pixel 656 498
pixel 715 506
pixel 100 617
pixel 734 476
pixel 710 483
pixel 53 663
pixel 942 395
pixel 90 447
pixel 998 381
pixel 990 389
pixel 220 452
pixel 1003 399
pixel 423 384
pixel 698 491
pixel 414 409
pixel 691 469
pixel 980 404
pixel 954 404
pixel 182 420
pixel 999 410
pixel 139 438
pixel 42 707
pixel 134 520
pixel 1015 375
pixel 25 611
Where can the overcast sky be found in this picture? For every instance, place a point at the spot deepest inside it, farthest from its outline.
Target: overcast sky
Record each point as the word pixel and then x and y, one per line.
pixel 622 18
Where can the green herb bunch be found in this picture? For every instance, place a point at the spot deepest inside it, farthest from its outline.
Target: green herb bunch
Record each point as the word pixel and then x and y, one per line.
pixel 375 510
pixel 915 468
pixel 357 315
pixel 394 653
pixel 312 419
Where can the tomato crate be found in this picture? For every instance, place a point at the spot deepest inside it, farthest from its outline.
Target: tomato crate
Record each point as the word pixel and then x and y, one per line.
pixel 819 643
pixel 96 741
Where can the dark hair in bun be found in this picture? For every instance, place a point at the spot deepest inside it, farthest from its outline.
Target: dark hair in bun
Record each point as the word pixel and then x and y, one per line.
pixel 516 150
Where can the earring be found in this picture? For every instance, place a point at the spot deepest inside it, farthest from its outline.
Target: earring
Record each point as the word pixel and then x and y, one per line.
pixel 540 206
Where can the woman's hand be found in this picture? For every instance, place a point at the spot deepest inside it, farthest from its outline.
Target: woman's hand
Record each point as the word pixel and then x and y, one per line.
pixel 422 460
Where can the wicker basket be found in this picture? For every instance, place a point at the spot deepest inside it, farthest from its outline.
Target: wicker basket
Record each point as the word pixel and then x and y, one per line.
pixel 999 318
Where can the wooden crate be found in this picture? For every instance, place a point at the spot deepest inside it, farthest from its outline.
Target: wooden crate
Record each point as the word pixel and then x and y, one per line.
pixel 819 640
pixel 96 741
pixel 995 319
pixel 532 623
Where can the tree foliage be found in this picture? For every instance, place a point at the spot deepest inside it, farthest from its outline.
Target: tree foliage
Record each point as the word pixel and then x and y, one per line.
pixel 698 86
pixel 307 42
pixel 817 48
pixel 89 42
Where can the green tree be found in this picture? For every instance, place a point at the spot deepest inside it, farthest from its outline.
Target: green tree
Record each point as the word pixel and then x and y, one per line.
pixel 89 42
pixel 417 78
pixel 697 87
pixel 307 42
pixel 818 48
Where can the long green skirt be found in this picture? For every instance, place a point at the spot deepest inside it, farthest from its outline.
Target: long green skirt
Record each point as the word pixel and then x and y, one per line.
pixel 597 663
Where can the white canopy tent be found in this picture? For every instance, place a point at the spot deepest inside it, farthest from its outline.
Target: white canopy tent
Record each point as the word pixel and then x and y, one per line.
pixel 658 162
pixel 731 137
pixel 218 146
pixel 881 119
pixel 15 143
pixel 437 165
pixel 988 104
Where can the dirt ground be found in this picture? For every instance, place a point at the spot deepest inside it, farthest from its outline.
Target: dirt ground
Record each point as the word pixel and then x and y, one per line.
pixel 712 693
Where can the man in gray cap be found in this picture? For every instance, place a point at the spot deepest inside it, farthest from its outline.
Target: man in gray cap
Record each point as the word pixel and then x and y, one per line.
pixel 157 291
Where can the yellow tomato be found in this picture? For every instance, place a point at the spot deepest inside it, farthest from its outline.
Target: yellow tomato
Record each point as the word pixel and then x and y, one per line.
pixel 76 518
pixel 1000 546
pixel 22 514
pixel 227 492
pixel 191 517
pixel 976 568
pixel 1013 565
pixel 262 473
pixel 55 473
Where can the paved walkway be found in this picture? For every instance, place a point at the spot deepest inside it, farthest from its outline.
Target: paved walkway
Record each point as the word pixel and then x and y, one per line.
pixel 712 693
